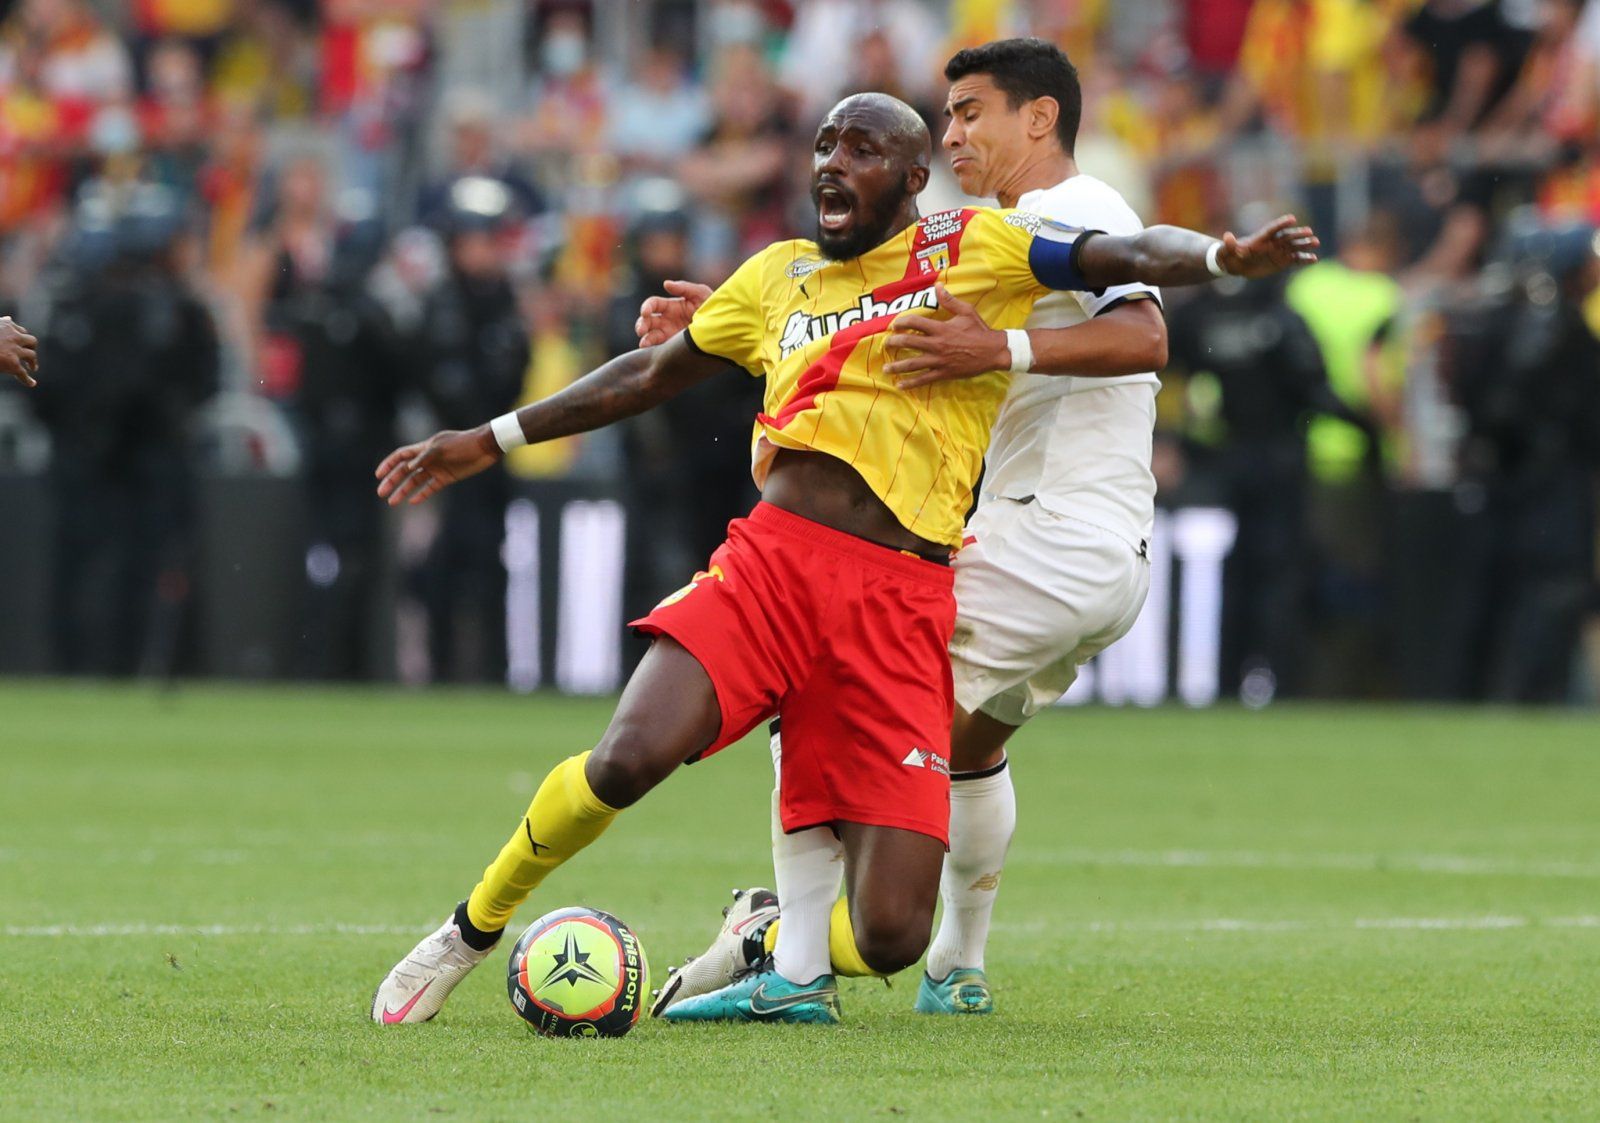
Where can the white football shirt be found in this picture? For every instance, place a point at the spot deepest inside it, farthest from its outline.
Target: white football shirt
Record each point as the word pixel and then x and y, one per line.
pixel 1079 446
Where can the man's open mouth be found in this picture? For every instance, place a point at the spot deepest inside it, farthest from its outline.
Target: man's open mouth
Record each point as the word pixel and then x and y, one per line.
pixel 834 208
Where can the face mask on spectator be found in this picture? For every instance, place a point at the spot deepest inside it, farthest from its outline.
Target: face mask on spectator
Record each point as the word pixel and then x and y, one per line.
pixel 115 131
pixel 740 23
pixel 564 53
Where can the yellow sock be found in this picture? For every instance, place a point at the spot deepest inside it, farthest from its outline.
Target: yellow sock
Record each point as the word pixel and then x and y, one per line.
pixel 847 960
pixel 564 817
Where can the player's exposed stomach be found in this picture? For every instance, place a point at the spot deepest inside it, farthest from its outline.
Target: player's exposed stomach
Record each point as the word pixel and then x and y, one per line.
pixel 826 490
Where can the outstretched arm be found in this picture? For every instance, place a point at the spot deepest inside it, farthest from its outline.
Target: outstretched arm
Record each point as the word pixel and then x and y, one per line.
pixel 1171 255
pixel 627 385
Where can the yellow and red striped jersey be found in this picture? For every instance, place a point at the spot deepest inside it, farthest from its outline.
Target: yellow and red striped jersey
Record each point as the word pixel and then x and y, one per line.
pixel 816 328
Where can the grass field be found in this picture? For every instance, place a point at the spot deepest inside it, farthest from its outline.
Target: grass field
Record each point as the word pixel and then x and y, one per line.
pixel 1294 914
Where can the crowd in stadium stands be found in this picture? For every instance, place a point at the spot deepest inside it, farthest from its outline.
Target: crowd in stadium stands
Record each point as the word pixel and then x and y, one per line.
pixel 333 224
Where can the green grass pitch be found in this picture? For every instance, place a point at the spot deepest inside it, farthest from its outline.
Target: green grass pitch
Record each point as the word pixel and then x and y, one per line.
pixel 1295 914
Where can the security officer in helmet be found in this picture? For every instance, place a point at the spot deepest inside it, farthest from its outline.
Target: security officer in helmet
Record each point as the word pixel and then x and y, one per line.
pixel 342 400
pixel 1531 464
pixel 132 353
pixel 688 462
pixel 469 355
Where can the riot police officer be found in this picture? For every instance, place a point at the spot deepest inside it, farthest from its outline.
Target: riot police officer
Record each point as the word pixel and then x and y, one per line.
pixel 1529 463
pixel 470 357
pixel 132 352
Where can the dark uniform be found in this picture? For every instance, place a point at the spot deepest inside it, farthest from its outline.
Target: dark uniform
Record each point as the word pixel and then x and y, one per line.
pixel 131 354
pixel 688 460
pixel 470 355
pixel 342 405
pixel 1272 379
pixel 1532 398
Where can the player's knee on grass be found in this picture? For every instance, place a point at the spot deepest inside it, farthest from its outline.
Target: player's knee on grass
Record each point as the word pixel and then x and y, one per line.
pixel 891 936
pixel 893 878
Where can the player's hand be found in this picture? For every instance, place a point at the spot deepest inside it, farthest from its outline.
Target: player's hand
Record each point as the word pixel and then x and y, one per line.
pixel 19 352
pixel 662 317
pixel 1279 244
pixel 962 346
pixel 418 471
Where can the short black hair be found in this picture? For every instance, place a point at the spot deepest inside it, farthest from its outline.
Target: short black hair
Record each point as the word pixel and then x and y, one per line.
pixel 1026 69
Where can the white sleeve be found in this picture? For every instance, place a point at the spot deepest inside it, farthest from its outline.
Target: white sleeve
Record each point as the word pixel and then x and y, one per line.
pixel 1099 208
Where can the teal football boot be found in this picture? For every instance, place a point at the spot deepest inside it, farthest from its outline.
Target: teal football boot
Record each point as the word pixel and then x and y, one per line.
pixel 762 996
pixel 963 991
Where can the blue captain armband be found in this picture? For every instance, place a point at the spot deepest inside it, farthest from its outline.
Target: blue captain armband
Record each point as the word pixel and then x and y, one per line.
pixel 1053 254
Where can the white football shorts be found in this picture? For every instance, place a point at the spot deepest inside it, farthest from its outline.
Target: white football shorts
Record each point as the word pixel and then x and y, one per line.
pixel 1037 595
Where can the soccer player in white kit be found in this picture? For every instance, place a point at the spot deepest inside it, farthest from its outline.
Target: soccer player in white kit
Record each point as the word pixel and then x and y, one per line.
pixel 1054 567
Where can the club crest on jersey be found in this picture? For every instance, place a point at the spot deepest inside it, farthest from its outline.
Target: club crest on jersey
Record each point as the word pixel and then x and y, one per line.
pixel 935 259
pixel 802 267
pixel 802 328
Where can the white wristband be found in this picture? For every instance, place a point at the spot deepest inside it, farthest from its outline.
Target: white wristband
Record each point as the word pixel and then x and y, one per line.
pixel 507 431
pixel 1021 348
pixel 1211 260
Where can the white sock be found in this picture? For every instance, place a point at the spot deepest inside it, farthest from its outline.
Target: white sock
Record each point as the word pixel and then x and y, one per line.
pixel 983 817
pixel 809 870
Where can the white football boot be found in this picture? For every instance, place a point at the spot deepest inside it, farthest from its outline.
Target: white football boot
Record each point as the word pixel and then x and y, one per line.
pixel 739 946
pixel 417 986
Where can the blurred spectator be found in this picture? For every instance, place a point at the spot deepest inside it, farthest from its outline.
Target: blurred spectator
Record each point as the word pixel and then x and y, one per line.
pixel 470 353
pixel 472 150
pixel 1213 33
pixel 659 115
pixel 130 353
pixel 555 362
pixel 268 59
pixel 741 171
pixel 63 50
pixel 569 104
pixel 375 56
pixel 334 363
pixel 228 186
pixel 1552 104
pixel 829 44
pixel 291 251
pixel 1353 306
pixel 1469 54
pixel 175 116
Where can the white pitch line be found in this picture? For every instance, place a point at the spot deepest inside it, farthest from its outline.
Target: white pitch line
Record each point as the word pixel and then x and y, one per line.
pixel 1267 926
pixel 1100 927
pixel 135 929
pixel 1453 864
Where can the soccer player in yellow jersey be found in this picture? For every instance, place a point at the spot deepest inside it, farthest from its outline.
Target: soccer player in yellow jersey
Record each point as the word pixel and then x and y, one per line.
pixel 830 605
pixel 1053 566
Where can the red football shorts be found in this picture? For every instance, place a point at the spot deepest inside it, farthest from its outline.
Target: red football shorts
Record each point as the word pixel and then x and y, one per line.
pixel 847 642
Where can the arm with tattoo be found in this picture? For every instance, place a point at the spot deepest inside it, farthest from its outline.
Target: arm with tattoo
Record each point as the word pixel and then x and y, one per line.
pixel 1173 256
pixel 629 384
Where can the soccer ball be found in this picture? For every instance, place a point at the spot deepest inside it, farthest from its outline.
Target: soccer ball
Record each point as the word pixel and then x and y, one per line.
pixel 578 972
